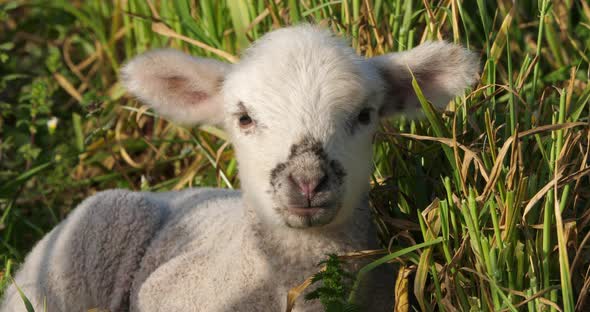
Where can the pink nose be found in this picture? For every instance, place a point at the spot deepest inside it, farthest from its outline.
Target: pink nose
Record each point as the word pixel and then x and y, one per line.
pixel 309 187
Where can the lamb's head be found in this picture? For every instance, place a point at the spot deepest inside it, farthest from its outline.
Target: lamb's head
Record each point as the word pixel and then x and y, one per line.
pixel 301 109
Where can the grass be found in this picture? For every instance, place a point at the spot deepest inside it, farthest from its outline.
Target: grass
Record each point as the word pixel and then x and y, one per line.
pixel 494 189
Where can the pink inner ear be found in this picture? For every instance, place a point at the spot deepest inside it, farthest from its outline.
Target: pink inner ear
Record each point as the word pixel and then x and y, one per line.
pixel 399 90
pixel 187 93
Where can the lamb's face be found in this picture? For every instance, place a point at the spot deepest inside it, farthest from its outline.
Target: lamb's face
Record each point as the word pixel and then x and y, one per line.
pixel 301 109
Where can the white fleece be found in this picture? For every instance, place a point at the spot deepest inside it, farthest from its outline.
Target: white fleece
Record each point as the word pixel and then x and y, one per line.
pixel 193 250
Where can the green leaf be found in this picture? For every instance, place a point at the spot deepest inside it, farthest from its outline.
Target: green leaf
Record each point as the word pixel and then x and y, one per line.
pixel 26 301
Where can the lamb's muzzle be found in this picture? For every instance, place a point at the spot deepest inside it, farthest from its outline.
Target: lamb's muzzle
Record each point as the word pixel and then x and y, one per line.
pixel 307 186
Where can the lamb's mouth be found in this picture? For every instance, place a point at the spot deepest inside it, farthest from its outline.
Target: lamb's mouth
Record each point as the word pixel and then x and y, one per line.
pixel 305 217
pixel 305 211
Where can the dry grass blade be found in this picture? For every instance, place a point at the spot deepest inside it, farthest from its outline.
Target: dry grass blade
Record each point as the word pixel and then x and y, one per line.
pixel 296 291
pixel 402 303
pixel 119 137
pixel 67 86
pixel 496 169
pixel 140 112
pixel 519 293
pixel 558 181
pixel 373 25
pixel 500 41
pixel 463 165
pixel 584 163
pixel 579 252
pixel 541 193
pixel 514 155
pixel 538 296
pixel 362 254
pixel 164 30
pixel 450 143
pixel 190 174
pixel 553 127
pixel 566 286
pixel 585 290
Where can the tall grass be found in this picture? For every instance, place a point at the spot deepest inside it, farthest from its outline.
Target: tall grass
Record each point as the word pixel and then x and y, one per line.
pixel 494 189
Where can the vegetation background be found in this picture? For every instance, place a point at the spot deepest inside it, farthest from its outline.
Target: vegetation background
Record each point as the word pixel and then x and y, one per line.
pixel 493 192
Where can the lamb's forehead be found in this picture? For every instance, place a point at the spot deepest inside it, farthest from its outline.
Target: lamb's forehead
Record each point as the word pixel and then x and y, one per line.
pixel 293 41
pixel 304 62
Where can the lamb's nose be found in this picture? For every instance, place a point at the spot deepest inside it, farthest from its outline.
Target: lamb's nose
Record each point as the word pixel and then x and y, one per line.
pixel 309 187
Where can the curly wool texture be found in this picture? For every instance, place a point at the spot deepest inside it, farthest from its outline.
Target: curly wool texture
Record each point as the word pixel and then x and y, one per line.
pixel 193 250
pixel 89 260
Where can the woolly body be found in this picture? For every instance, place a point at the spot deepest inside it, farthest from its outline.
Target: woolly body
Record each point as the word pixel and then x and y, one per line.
pixel 158 250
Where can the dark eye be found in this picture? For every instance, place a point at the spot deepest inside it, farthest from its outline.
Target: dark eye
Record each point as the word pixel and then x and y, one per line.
pixel 364 116
pixel 245 121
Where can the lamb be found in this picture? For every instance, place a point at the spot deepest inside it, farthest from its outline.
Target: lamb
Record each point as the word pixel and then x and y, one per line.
pixel 301 109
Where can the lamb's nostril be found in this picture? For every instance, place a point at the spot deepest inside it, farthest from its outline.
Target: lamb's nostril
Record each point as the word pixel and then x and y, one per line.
pixel 309 187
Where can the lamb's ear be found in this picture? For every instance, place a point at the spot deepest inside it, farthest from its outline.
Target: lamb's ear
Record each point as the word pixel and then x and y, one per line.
pixel 183 88
pixel 443 70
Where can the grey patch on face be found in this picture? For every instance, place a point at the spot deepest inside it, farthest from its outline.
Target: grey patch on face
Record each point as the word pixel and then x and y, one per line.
pixel 274 174
pixel 307 161
pixel 308 145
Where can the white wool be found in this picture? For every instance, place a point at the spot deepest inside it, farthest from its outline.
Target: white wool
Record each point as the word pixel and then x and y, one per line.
pixel 220 250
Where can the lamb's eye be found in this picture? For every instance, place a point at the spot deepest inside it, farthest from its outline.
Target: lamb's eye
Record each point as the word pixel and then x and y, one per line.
pixel 364 116
pixel 245 121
